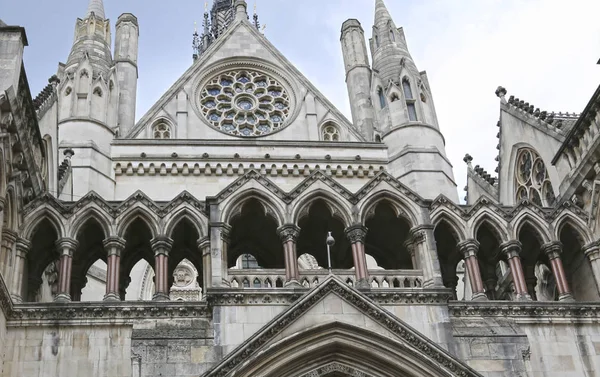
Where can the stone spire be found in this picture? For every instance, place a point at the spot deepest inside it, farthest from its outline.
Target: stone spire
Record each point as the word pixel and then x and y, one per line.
pixel 382 16
pixel 96 7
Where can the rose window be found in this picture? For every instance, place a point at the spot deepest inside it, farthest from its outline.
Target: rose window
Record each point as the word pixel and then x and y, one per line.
pixel 245 103
pixel 532 180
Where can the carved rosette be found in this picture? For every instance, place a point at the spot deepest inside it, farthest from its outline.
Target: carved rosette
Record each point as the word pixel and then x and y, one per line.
pixel 356 233
pixel 289 233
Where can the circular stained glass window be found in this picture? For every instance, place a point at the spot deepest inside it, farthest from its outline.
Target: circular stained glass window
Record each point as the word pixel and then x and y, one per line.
pixel 245 103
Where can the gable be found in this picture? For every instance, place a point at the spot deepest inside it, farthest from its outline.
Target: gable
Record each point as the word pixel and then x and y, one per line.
pixel 335 323
pixel 297 113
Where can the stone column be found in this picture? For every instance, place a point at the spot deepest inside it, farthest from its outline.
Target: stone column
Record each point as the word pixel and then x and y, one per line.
pixel 289 236
pixel 161 246
pixel 512 250
pixel 553 250
pixel 66 247
pixel 113 247
pixel 426 252
pixel 356 235
pixel 469 250
pixel 23 247
pixel 592 252
pixel 219 244
pixel 8 241
pixel 204 248
pixel 410 247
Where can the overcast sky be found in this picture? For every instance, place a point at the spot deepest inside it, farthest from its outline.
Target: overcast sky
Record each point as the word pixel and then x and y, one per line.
pixel 542 51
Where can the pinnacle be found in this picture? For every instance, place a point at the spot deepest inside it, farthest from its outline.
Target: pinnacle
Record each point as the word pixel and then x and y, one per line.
pixel 96 7
pixel 382 15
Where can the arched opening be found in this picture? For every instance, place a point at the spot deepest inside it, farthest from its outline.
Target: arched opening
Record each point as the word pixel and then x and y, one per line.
pixel 536 266
pixel 496 276
pixel 255 232
pixel 137 248
pixel 89 251
pixel 386 238
pixel 185 237
pixel 314 227
pixel 577 266
pixel 140 286
pixel 95 287
pixel 448 255
pixel 41 282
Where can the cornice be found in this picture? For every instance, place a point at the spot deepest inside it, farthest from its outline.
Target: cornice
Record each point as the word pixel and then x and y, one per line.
pixel 531 310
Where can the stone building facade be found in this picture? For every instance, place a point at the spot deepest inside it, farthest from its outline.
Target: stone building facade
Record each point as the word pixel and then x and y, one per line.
pixel 193 241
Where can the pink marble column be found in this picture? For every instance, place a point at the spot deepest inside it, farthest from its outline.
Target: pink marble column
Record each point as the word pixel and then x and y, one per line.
pixel 289 236
pixel 512 250
pixel 469 250
pixel 113 246
pixel 553 251
pixel 66 247
pixel 161 247
pixel 356 235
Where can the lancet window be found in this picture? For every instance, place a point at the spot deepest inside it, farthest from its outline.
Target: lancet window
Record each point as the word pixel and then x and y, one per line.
pixel 531 179
pixel 381 98
pixel 410 100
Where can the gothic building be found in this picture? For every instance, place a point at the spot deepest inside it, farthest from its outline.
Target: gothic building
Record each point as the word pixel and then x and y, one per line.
pixel 244 227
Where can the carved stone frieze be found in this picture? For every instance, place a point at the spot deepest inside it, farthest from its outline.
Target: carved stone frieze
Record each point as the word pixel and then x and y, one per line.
pixel 528 310
pixel 328 369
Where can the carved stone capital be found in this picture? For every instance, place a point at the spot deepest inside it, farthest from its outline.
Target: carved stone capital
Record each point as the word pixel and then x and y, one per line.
pixel 161 245
pixel 23 247
pixel 468 248
pixel 356 233
pixel 224 230
pixel 553 250
pixel 409 244
pixel 592 251
pixel 288 233
pixel 66 246
pixel 204 245
pixel 418 235
pixel 511 249
pixel 9 238
pixel 114 246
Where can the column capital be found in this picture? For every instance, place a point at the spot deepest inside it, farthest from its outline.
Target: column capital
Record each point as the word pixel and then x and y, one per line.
pixel 114 245
pixel 553 249
pixel 592 251
pixel 9 237
pixel 419 233
pixel 204 245
pixel 511 248
pixel 356 233
pixel 161 245
pixel 67 246
pixel 23 247
pixel 224 229
pixel 288 232
pixel 468 248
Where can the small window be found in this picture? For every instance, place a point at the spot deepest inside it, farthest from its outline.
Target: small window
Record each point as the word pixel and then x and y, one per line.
pixel 392 36
pixel 98 91
pixel 410 101
pixel 407 89
pixel 249 262
pixel 412 112
pixel 331 133
pixel 381 98
pixel 376 40
pixel 162 131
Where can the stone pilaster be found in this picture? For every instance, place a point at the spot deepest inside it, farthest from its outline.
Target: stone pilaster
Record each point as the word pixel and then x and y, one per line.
pixel 22 246
pixel 426 251
pixel 512 251
pixel 289 237
pixel 592 252
pixel 203 245
pixel 113 247
pixel 357 234
pixel 66 247
pixel 219 246
pixel 469 250
pixel 9 238
pixel 161 246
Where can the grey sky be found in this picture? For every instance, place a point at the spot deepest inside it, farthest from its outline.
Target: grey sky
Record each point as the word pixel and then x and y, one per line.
pixel 542 51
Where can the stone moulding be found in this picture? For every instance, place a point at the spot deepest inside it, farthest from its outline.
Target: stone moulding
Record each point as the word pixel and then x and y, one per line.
pixel 526 310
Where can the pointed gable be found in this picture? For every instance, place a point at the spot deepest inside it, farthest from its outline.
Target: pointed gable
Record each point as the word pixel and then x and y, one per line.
pixel 242 48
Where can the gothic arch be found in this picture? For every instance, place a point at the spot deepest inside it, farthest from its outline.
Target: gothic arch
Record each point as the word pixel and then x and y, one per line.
pixel 353 348
pixel 235 203
pixel 454 222
pixel 37 215
pixel 567 218
pixel 133 213
pixel 397 202
pixel 498 226
pixel 185 212
pixel 92 211
pixel 336 207
pixel 537 223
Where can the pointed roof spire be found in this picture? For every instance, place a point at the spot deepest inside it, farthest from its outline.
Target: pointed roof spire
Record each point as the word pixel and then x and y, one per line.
pixel 382 15
pixel 96 7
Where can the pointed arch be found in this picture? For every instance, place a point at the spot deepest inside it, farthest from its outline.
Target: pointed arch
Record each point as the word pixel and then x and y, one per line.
pixel 456 224
pixel 92 211
pixel 497 225
pixel 535 221
pixel 137 211
pixel 568 218
pixel 233 206
pixel 44 211
pixel 334 204
pixel 188 212
pixel 401 206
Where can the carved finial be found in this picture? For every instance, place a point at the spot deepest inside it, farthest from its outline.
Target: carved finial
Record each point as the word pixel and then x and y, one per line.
pixel 468 159
pixel 501 92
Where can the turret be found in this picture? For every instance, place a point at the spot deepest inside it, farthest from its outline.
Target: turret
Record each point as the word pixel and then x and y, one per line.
pixel 358 77
pixel 404 112
pixel 126 56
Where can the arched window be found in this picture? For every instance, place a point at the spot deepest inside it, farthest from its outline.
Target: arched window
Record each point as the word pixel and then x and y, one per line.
pixel 376 40
pixel 392 35
pixel 381 98
pixel 331 133
pixel 161 131
pixel 531 179
pixel 249 262
pixel 410 100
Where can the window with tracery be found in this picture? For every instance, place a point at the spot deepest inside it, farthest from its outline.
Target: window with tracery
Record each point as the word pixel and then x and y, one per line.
pixel 410 101
pixel 161 131
pixel 331 133
pixel 249 262
pixel 531 179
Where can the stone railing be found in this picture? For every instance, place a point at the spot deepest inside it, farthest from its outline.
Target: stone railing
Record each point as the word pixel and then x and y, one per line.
pixel 275 278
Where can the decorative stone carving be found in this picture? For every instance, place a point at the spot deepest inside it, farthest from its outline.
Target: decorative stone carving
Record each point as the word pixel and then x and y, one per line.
pixel 356 233
pixel 288 233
